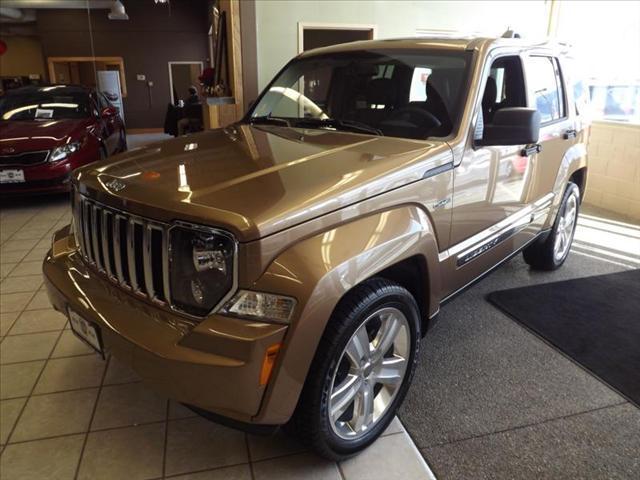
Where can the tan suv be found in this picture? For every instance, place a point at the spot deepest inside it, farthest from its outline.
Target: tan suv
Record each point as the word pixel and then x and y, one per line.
pixel 283 270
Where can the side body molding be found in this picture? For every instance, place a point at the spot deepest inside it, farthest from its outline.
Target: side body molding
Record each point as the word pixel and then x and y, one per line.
pixel 319 270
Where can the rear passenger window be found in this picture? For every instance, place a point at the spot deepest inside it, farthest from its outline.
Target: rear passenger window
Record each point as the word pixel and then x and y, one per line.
pixel 545 82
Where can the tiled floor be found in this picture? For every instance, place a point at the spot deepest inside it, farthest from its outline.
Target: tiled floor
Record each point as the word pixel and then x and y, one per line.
pixel 66 413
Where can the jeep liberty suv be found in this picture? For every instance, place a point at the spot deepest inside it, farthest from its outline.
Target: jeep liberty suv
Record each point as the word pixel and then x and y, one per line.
pixel 283 270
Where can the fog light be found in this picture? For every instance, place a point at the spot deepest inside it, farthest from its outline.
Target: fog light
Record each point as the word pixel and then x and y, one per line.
pixel 260 306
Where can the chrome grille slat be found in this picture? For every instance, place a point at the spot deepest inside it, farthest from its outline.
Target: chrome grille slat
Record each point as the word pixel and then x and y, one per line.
pixel 106 254
pixel 100 230
pixel 146 261
pixel 131 255
pixel 165 265
pixel 94 237
pixel 116 248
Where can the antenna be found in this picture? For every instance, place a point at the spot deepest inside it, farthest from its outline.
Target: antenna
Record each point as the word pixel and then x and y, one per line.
pixel 510 34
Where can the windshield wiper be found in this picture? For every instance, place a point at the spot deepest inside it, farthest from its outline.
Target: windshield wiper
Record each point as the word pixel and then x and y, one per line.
pixel 268 119
pixel 339 124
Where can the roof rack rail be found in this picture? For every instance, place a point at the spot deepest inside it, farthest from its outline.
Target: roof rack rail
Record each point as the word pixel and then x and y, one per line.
pixel 510 34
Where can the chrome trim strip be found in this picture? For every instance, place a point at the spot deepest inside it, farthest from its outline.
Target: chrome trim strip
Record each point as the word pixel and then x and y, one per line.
pixel 131 256
pixel 116 248
pixel 146 261
pixel 517 220
pixel 105 242
pixel 432 172
pixel 86 230
pixel 166 279
pixel 490 269
pixel 79 226
pixel 94 237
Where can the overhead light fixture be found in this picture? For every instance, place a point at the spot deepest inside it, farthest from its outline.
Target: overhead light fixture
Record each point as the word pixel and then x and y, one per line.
pixel 118 12
pixel 161 1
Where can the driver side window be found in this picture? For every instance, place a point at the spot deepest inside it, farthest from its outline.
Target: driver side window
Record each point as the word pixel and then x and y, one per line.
pixel 504 88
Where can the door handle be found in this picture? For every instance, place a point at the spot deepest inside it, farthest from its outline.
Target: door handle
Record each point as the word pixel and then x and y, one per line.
pixel 531 150
pixel 568 134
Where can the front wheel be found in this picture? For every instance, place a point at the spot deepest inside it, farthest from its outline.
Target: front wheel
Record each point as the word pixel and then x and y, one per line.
pixel 361 371
pixel 553 251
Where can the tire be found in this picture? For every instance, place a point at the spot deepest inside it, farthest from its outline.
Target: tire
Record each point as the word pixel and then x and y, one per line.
pixel 371 308
pixel 123 141
pixel 550 253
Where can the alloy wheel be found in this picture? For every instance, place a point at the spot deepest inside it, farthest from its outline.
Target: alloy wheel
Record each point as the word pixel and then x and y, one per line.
pixel 564 232
pixel 370 372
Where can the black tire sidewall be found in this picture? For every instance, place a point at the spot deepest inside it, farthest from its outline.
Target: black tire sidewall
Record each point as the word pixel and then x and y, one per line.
pixel 403 301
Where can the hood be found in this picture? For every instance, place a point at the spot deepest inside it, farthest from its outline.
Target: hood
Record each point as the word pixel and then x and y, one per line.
pixel 256 180
pixel 22 136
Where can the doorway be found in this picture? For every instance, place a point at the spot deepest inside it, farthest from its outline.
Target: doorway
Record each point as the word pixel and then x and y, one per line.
pixel 183 75
pixel 316 35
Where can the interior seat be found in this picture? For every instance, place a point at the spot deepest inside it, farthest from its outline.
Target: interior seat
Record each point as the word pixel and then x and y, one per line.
pixel 489 100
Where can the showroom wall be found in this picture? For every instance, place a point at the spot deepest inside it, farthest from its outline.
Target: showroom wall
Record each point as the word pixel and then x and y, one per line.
pixel 23 57
pixel 147 42
pixel 614 168
pixel 277 21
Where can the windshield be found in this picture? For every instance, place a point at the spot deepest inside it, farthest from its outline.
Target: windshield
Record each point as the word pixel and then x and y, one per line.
pixel 412 94
pixel 46 103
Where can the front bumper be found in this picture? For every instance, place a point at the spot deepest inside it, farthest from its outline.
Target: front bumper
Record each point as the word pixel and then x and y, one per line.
pixel 214 365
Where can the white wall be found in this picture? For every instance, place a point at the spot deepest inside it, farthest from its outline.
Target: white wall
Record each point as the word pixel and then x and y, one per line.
pixel 277 21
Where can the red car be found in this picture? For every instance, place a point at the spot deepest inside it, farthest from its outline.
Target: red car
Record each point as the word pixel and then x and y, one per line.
pixel 48 131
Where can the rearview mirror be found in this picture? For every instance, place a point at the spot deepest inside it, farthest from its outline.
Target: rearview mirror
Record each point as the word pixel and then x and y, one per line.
pixel 512 126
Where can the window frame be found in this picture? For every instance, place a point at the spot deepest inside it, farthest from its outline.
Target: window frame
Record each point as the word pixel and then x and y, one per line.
pixel 559 79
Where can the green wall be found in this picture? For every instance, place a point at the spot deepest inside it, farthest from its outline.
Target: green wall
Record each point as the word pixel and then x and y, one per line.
pixel 277 21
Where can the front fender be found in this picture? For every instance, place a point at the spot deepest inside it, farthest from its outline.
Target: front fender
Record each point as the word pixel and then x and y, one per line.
pixel 318 272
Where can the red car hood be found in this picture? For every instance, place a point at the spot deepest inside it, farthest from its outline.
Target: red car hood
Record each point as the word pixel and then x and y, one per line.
pixel 19 136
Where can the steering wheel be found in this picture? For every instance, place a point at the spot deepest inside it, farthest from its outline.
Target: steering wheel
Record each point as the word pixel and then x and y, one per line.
pixel 419 117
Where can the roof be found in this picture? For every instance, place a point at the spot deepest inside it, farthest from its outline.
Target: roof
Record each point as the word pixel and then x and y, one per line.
pixel 45 88
pixel 415 43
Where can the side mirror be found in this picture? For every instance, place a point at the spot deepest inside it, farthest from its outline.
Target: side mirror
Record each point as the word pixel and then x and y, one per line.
pixel 110 111
pixel 512 126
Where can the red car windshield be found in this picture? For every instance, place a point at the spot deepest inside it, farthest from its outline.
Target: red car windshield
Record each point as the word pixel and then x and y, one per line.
pixel 44 103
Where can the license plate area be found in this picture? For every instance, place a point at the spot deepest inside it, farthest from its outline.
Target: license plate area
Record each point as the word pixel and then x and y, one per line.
pixel 12 176
pixel 86 331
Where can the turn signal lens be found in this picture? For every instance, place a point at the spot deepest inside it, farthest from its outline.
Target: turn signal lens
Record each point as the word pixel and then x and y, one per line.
pixel 269 361
pixel 260 306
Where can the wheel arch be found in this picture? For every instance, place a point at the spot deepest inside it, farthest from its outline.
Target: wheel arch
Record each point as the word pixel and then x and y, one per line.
pixel 398 244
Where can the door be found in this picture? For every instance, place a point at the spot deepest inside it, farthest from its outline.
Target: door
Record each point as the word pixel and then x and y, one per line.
pixel 492 199
pixel 109 125
pixel 109 85
pixel 182 76
pixel 557 131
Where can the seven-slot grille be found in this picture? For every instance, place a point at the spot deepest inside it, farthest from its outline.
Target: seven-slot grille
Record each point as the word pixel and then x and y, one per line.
pixel 130 250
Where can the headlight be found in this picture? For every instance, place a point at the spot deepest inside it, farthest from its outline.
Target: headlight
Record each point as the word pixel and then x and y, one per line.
pixel 63 151
pixel 202 268
pixel 260 306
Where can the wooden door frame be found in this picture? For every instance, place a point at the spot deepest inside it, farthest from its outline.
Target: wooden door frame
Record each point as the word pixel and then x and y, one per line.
pixel 181 62
pixel 302 26
pixel 112 60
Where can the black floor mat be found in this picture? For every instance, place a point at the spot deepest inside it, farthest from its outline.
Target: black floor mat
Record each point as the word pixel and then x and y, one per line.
pixel 594 320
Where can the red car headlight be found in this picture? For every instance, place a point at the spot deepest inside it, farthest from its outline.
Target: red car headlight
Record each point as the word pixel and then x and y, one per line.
pixel 63 151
